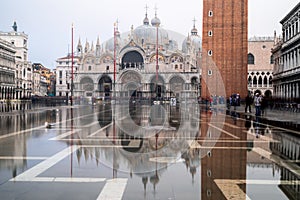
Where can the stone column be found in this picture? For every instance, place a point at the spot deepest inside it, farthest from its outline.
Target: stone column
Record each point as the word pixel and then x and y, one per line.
pixel 298 51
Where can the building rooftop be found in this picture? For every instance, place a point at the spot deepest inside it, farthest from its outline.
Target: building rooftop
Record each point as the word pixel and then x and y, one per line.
pixel 261 38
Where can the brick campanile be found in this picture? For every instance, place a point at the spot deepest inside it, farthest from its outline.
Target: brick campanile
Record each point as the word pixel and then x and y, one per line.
pixel 224 47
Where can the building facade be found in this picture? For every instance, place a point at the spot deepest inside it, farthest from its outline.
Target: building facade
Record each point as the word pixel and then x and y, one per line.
pixel 64 74
pixel 23 68
pixel 7 70
pixel 42 84
pixel 149 64
pixel 224 48
pixel 286 53
pixel 260 65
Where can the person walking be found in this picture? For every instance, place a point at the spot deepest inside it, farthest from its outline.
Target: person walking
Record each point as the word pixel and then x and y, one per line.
pixel 257 102
pixel 249 101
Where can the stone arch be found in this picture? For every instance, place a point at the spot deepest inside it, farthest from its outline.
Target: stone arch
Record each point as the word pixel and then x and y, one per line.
pixel 176 58
pixel 161 58
pixel 88 62
pixel 268 93
pixel 177 84
pixel 131 84
pixel 257 91
pixel 105 85
pixel 157 86
pixel 106 59
pixel 130 76
pixel 132 59
pixel 87 84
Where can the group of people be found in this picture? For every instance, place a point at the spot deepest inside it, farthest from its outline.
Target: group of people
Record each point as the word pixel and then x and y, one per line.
pixel 258 103
pixel 234 100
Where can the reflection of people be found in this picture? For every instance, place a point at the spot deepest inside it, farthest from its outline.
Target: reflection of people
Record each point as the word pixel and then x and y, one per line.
pixel 263 105
pixel 248 119
pixel 257 102
pixel 249 101
pixel 257 127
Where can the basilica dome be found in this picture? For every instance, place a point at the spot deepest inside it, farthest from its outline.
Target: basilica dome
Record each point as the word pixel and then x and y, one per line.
pixel 193 40
pixel 147 34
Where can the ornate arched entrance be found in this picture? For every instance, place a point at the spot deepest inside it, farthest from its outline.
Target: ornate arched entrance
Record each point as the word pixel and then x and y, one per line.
pixel 87 85
pixel 131 84
pixel 176 85
pixel 157 87
pixel 132 59
pixel 105 86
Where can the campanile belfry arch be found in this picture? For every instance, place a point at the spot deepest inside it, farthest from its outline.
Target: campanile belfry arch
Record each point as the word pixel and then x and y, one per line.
pixel 224 47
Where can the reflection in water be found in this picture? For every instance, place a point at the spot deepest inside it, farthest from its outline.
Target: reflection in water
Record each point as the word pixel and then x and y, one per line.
pixel 288 148
pixel 146 141
pixel 227 160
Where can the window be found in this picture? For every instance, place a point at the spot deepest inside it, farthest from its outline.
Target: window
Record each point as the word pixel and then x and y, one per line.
pixel 209 72
pixel 210 33
pixel 272 59
pixel 210 13
pixel 250 59
pixel 210 52
pixel 90 68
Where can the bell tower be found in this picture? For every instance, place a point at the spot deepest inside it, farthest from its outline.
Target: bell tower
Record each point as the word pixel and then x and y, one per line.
pixel 224 48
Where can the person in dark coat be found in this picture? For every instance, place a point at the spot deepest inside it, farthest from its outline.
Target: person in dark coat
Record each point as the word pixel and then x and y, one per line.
pixel 249 101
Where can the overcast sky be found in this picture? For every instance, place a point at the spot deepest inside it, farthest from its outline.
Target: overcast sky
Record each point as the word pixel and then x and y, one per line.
pixel 48 22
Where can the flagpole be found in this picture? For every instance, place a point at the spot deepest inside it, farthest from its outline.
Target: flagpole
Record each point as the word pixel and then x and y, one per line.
pixel 114 91
pixel 72 67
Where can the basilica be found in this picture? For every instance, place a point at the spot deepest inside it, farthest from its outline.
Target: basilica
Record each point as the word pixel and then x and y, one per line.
pixel 146 62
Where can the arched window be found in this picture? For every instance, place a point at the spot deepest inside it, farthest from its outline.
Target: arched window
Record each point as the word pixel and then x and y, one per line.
pixel 250 81
pixel 272 59
pixel 265 81
pixel 250 59
pixel 255 81
pixel 260 81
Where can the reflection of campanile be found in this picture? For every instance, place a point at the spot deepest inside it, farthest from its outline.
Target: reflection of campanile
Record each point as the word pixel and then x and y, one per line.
pixel 224 47
pixel 224 159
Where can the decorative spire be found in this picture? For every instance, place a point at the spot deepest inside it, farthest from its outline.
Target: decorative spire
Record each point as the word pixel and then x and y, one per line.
pixel 15 27
pixel 98 41
pixel 79 46
pixel 155 21
pixel 131 32
pixel 146 20
pixel 92 47
pixel 79 42
pixel 87 46
pixel 98 48
pixel 194 31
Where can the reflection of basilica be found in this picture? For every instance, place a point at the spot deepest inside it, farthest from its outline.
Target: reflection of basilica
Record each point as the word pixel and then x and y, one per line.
pixel 149 64
pixel 147 157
